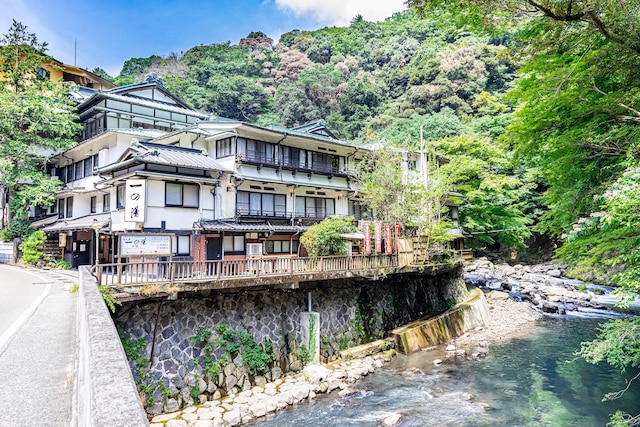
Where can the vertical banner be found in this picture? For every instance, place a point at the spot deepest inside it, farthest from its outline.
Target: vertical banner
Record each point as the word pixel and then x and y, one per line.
pixel 378 235
pixel 135 196
pixel 397 238
pixel 367 237
pixel 388 241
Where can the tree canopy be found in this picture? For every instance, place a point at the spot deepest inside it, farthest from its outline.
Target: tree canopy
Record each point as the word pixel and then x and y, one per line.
pixel 36 119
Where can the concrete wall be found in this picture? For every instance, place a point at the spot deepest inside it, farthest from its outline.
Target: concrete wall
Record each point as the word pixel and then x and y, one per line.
pixel 351 311
pixel 6 251
pixel 106 392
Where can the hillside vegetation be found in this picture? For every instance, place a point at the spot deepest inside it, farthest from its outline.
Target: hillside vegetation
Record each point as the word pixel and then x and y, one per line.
pixel 378 81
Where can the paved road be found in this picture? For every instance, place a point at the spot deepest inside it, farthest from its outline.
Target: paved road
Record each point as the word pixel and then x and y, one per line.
pixel 37 362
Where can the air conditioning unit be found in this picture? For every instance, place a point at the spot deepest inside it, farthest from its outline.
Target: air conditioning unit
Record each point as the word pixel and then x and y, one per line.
pixel 254 249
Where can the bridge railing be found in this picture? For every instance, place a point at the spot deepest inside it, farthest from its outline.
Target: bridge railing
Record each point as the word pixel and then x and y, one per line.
pixel 163 271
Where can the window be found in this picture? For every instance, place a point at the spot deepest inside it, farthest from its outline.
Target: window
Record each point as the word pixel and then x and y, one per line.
pixel 60 208
pixel 106 202
pixel 224 148
pixel 257 151
pixel 70 173
pixel 79 170
pixel 94 203
pixel 314 207
pixel 233 244
pixel 120 196
pixel 88 166
pixel 357 210
pixel 261 204
pixel 62 174
pixel 281 246
pixel 185 195
pixel 69 207
pixel 182 245
pixel 42 74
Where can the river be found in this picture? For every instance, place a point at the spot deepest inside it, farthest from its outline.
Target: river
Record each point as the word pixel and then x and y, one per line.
pixel 532 381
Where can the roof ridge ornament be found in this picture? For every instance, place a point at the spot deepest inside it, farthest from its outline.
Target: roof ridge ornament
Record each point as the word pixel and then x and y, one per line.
pixel 153 77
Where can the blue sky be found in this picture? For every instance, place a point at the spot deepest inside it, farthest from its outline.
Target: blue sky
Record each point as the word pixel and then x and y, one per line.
pixel 110 32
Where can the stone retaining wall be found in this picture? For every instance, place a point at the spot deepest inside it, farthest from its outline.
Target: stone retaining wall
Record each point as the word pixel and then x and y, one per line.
pixel 351 311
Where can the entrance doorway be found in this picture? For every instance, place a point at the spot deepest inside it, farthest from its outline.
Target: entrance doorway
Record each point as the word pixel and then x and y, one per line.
pixel 214 253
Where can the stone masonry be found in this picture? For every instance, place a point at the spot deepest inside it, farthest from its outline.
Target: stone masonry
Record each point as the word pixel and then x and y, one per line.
pixel 351 311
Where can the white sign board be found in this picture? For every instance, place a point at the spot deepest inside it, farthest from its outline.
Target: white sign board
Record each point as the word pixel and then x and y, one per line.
pixel 145 244
pixel 135 200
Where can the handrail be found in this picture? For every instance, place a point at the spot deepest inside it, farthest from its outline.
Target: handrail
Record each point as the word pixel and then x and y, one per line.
pixel 161 271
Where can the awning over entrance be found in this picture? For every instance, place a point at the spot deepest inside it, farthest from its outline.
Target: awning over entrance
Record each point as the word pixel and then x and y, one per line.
pixel 82 223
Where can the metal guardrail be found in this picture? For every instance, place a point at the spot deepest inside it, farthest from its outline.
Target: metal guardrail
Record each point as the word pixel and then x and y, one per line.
pixel 149 272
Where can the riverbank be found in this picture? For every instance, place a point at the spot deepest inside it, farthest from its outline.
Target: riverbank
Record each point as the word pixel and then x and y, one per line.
pixel 509 319
pixel 248 405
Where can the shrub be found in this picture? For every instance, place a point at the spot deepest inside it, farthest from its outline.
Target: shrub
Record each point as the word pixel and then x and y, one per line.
pixel 32 247
pixel 63 264
pixel 323 238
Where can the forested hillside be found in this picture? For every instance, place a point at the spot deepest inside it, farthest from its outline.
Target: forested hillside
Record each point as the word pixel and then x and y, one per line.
pixel 377 81
pixel 536 103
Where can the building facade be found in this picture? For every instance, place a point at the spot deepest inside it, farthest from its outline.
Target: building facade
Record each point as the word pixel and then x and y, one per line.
pixel 216 189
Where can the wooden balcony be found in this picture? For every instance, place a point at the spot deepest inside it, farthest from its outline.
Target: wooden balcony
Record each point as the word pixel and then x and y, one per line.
pixel 283 272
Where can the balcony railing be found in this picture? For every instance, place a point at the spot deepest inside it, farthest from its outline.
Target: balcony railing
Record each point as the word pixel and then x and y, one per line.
pixel 262 213
pixel 150 272
pixel 261 159
pixel 317 214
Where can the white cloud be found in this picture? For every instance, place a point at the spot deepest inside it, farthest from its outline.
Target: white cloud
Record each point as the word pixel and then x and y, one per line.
pixel 341 12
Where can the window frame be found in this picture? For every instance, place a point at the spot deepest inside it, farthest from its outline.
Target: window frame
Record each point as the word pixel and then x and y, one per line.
pixel 106 202
pixel 181 203
pixel 69 207
pixel 237 241
pixel 61 208
pixel 224 148
pixel 120 196
pixel 93 204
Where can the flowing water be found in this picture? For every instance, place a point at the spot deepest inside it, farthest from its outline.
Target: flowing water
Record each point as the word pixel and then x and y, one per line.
pixel 532 381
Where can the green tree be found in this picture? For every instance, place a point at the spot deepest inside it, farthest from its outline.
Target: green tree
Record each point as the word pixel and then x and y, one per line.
pixel 323 238
pixel 493 193
pixel 416 198
pixel 32 247
pixel 35 119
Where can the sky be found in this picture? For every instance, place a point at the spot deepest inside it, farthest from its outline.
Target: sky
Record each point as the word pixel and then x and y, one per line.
pixel 105 34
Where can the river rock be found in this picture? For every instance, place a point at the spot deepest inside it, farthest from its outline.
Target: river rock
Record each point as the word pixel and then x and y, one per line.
pixel 554 273
pixel 392 420
pixel 552 281
pixel 316 374
pixel 171 405
pixel 176 423
pixel 258 409
pixel 233 417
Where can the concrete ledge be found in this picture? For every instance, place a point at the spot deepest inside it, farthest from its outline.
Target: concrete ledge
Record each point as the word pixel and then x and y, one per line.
pixel 472 312
pixel 106 392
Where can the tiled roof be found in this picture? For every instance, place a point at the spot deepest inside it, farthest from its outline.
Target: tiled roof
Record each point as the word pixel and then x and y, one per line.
pixel 82 223
pixel 175 156
pixel 216 225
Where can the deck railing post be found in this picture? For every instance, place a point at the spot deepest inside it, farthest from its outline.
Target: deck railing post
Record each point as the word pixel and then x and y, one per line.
pixel 119 268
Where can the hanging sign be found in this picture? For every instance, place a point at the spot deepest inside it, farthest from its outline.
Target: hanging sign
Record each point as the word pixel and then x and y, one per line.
pixel 377 229
pixel 367 237
pixel 135 196
pixel 388 245
pixel 397 238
